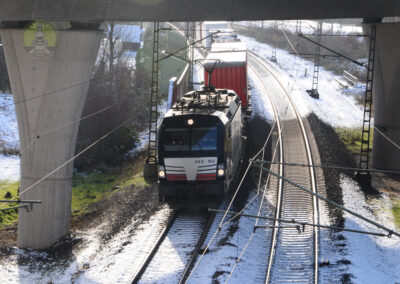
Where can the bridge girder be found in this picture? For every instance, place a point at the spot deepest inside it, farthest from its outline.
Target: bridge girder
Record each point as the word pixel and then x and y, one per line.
pixel 193 10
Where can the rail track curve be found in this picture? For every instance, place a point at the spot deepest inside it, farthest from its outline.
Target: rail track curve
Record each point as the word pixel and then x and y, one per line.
pixel 293 256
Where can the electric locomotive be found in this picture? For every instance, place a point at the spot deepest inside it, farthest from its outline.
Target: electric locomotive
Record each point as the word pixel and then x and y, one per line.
pixel 200 144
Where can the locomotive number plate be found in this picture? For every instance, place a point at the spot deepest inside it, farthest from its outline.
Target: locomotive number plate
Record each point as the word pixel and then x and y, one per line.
pixel 206 161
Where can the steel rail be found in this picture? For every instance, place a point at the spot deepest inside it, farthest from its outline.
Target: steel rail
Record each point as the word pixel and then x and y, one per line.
pixel 293 221
pixel 263 198
pixel 390 231
pixel 195 253
pixel 156 246
pixel 150 256
pixel 309 158
pixel 280 184
pixel 331 167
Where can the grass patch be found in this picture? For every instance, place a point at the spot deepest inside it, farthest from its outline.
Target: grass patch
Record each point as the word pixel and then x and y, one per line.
pixel 396 213
pixel 8 190
pixel 91 188
pixel 87 189
pixel 351 137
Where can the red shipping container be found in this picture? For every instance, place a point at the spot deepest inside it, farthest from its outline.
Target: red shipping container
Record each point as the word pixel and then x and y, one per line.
pixel 229 73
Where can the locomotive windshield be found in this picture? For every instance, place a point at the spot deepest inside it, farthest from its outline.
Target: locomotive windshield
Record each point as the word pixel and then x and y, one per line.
pixel 176 139
pixel 190 139
pixel 204 138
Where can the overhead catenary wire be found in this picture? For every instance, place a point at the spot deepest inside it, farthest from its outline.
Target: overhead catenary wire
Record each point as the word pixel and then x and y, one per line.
pixel 58 91
pixel 69 160
pixel 387 138
pixel 303 224
pixel 276 122
pixel 256 222
pixel 219 228
pixel 75 121
pixel 333 51
pixel 92 114
pixel 280 183
pixel 334 167
pixel 77 155
pixel 254 198
pixel 390 231
pixel 63 125
pixel 298 55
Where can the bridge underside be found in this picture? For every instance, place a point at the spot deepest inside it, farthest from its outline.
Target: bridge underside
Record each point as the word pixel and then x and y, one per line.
pixel 193 10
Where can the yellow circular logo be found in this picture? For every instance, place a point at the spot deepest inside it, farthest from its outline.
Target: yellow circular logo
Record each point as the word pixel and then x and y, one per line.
pixel 40 38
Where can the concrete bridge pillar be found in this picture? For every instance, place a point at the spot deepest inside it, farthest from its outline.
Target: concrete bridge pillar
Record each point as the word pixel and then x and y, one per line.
pixel 386 95
pixel 49 90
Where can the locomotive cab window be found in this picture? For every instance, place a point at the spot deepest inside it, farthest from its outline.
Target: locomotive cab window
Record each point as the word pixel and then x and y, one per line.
pixel 176 139
pixel 204 138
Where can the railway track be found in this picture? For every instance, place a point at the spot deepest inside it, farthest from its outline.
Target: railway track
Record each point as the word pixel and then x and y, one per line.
pixel 293 256
pixel 175 251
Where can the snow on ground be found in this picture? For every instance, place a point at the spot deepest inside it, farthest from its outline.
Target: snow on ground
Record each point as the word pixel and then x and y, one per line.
pixel 95 261
pixel 8 122
pixel 9 168
pixel 218 263
pixel 373 259
pixel 261 105
pixel 175 251
pixel 363 258
pixel 9 139
pixel 333 106
pixel 307 26
pixel 144 135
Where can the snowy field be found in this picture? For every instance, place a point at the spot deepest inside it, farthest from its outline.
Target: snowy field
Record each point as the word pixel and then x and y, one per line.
pixel 335 106
pixel 307 27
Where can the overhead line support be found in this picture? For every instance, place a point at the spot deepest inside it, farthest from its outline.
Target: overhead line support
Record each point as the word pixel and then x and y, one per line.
pixel 314 89
pixel 27 204
pixel 364 176
pixel 275 39
pixel 150 168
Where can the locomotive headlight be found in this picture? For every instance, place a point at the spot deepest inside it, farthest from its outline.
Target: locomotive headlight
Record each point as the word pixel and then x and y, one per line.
pixel 161 171
pixel 190 122
pixel 221 171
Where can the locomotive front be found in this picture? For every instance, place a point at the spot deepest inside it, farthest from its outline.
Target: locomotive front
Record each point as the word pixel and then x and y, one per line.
pixel 191 156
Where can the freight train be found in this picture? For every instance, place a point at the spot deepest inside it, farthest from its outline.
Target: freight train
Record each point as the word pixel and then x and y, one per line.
pixel 200 139
pixel 200 144
pixel 227 57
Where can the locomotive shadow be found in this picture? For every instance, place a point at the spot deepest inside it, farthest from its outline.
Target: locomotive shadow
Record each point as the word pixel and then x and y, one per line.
pixel 257 129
